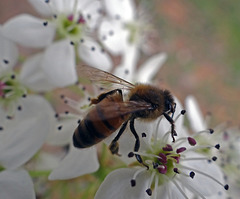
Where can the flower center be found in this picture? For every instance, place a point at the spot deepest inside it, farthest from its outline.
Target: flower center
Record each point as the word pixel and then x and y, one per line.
pixel 70 26
pixel 10 90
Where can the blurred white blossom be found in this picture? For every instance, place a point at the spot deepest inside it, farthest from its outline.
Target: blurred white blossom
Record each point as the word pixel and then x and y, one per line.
pixel 65 37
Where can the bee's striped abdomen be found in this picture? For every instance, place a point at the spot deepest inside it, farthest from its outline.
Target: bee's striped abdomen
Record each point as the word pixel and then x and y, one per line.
pixel 97 125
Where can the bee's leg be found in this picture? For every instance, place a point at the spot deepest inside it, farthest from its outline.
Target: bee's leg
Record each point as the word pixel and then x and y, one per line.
pixel 114 144
pixel 137 143
pixel 171 121
pixel 104 95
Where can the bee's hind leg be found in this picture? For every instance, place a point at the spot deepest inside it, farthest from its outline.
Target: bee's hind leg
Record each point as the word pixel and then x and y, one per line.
pixel 114 147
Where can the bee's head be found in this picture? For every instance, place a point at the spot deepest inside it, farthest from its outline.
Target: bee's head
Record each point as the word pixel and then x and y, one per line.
pixel 169 103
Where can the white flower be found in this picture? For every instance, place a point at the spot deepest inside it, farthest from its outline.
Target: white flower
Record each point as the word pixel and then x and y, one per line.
pixel 11 90
pixel 16 184
pixel 124 28
pixel 169 170
pixel 228 138
pixel 8 53
pixel 76 162
pixel 71 25
pixel 22 135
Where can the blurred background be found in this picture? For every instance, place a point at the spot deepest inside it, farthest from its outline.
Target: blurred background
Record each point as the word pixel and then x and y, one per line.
pixel 202 41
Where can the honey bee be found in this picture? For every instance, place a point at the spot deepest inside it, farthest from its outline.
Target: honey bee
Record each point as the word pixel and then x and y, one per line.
pixel 111 111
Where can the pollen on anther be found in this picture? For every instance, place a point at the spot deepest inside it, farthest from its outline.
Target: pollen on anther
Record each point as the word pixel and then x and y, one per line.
pixel 192 141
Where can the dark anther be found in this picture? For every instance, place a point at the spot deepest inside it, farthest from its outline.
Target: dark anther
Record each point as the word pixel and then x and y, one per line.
pixel 65 101
pixel 47 1
pixel 126 71
pixel 59 128
pixel 149 191
pixel 183 112
pixel 133 183
pixel 1 128
pixel 214 158
pixel 13 76
pixel 62 96
pixel 45 23
pixel 93 48
pixel 71 42
pixel 9 117
pixel 217 146
pixel 81 40
pixel 79 121
pixel 155 165
pixel 144 135
pixel 56 115
pixel 66 112
pixel 5 61
pixel 111 33
pixel 19 108
pixel 192 174
pixel 226 187
pixel 131 154
pixel 176 170
pixel 211 131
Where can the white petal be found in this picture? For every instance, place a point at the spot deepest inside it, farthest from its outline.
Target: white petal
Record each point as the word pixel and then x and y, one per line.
pixel 59 63
pixel 125 10
pixel 150 68
pixel 16 184
pixel 203 184
pixel 32 75
pixel 76 163
pixel 63 136
pixel 92 14
pixel 194 114
pixel 127 69
pixel 117 184
pixel 29 31
pixel 8 52
pixel 92 54
pixel 113 36
pixel 23 136
pixel 41 7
